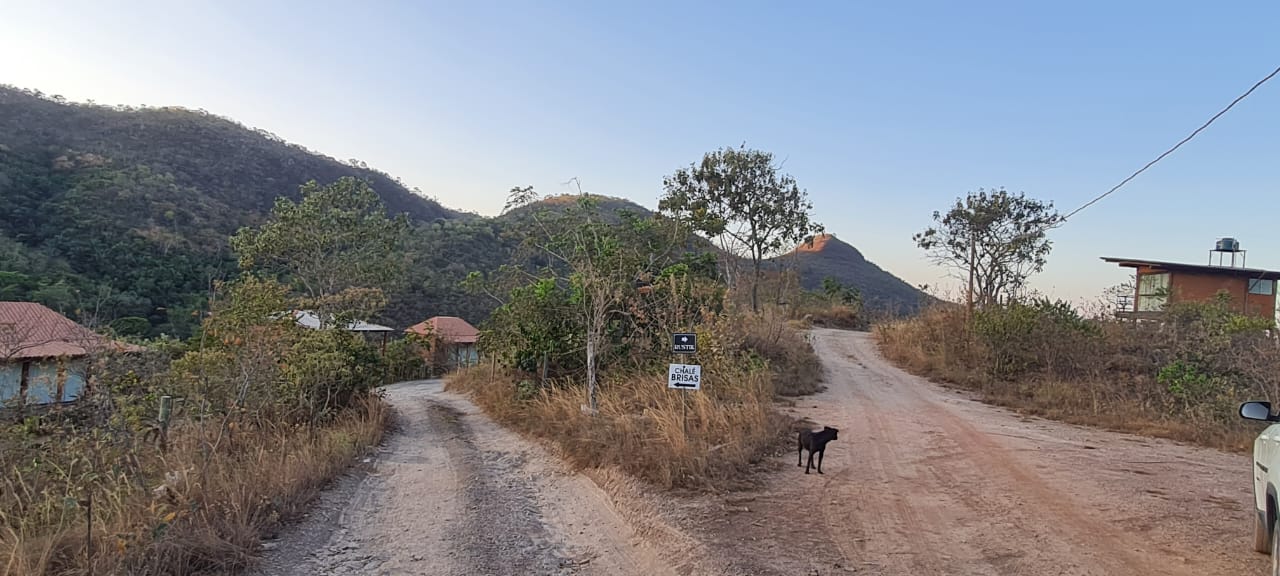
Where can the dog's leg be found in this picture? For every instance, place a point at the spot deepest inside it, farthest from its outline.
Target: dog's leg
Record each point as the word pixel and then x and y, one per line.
pixel 799 451
pixel 820 453
pixel 810 463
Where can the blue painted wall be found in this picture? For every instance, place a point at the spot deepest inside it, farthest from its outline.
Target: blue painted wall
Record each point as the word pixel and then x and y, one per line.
pixel 10 381
pixel 465 355
pixel 43 380
pixel 73 380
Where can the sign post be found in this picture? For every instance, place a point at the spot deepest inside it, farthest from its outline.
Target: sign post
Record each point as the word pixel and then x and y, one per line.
pixel 682 376
pixel 684 343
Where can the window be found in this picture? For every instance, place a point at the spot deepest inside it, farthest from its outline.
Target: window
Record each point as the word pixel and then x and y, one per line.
pixel 1153 292
pixel 1264 287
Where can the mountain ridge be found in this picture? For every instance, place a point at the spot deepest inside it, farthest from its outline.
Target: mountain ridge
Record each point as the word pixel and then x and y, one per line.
pixel 110 212
pixel 115 132
pixel 826 256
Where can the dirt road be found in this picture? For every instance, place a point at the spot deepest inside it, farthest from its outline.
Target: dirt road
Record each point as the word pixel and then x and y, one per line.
pixel 453 494
pixel 923 481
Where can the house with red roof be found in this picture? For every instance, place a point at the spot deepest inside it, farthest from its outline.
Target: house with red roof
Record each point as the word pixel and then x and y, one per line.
pixel 450 338
pixel 44 355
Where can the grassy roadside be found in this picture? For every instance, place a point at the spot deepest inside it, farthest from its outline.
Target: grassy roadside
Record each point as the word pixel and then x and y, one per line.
pixel 702 440
pixel 202 506
pixel 1181 380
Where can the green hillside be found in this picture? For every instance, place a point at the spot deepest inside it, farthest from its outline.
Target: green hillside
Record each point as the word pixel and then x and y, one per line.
pixel 115 212
pixel 108 212
pixel 609 205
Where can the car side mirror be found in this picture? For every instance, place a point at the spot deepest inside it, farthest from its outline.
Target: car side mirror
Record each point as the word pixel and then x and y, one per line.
pixel 1257 411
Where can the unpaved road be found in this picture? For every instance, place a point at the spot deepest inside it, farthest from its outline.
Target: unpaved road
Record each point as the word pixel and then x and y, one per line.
pixel 924 481
pixel 454 494
pixel 921 481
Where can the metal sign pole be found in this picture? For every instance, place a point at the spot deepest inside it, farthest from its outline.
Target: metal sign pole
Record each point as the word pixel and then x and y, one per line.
pixel 684 412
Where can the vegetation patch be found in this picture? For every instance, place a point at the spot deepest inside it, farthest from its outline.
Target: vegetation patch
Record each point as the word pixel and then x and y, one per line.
pixel 578 348
pixel 181 458
pixel 1183 377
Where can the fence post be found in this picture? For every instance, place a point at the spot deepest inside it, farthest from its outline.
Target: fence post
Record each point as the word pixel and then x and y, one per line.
pixel 166 409
pixel 88 540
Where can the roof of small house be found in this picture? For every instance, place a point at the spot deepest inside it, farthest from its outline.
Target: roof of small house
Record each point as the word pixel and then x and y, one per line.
pixel 449 328
pixel 309 319
pixel 31 330
pixel 1255 273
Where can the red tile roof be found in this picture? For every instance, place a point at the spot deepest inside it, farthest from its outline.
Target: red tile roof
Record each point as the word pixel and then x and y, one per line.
pixel 30 330
pixel 449 328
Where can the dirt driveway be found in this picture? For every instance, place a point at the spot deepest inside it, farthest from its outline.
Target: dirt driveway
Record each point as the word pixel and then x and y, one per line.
pixel 454 494
pixel 924 481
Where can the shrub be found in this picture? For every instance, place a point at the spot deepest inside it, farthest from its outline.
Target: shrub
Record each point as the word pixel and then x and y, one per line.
pixel 641 425
pixel 669 437
pixel 264 412
pixel 1181 377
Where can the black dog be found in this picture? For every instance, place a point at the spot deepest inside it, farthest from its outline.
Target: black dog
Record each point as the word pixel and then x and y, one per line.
pixel 814 442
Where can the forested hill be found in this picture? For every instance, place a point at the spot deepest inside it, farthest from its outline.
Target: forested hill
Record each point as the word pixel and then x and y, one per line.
pixel 230 164
pixel 114 211
pixel 829 257
pixel 608 205
pixel 115 214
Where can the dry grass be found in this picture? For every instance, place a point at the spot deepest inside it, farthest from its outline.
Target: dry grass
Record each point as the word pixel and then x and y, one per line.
pixel 707 439
pixel 1099 373
pixel 201 507
pixel 668 437
pixel 797 370
pixel 835 316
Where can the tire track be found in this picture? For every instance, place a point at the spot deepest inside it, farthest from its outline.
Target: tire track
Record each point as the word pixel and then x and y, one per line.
pixel 454 494
pixel 924 481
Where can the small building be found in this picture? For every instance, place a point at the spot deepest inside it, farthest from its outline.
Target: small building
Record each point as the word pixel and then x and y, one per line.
pixel 450 339
pixel 371 332
pixel 44 355
pixel 1252 291
pixel 309 319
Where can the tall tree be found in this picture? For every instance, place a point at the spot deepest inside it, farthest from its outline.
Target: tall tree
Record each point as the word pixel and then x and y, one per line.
pixel 336 240
pixel 608 283
pixel 601 272
pixel 993 239
pixel 737 197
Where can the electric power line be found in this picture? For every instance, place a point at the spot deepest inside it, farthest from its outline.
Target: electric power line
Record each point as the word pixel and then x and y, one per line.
pixel 1175 146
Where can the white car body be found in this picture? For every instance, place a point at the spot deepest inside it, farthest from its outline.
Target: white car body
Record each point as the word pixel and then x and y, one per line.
pixel 1266 479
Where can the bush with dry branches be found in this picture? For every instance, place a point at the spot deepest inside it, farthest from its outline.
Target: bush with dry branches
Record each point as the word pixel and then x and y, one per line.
pixel 1181 377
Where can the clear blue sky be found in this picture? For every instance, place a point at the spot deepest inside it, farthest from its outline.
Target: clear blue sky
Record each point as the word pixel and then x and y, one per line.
pixel 884 111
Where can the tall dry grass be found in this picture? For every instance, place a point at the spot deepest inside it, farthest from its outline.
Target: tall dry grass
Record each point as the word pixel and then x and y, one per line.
pixel 706 439
pixel 668 437
pixel 1182 378
pixel 795 367
pixel 200 507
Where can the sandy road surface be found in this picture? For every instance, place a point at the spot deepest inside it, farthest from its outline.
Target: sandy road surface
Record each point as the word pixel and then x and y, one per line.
pixel 923 481
pixel 452 494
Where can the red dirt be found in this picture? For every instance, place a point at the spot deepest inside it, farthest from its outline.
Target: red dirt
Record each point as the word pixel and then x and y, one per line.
pixel 925 481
